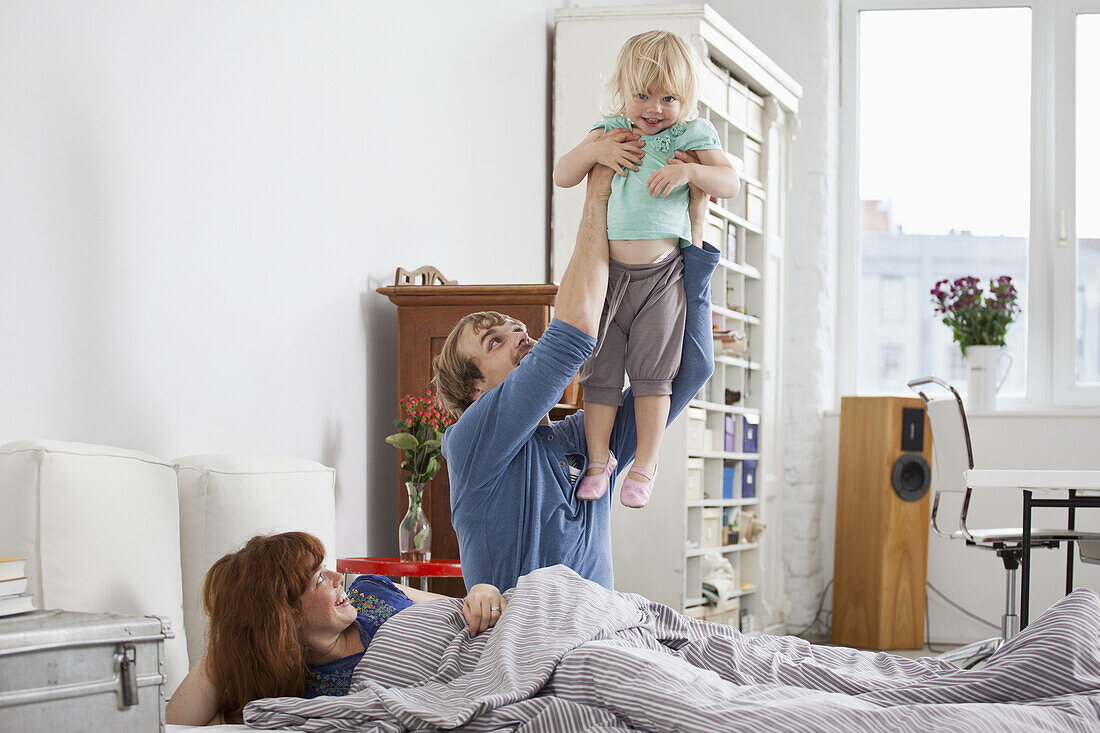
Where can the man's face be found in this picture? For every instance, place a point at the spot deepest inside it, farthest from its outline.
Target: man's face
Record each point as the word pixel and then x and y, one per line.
pixel 496 350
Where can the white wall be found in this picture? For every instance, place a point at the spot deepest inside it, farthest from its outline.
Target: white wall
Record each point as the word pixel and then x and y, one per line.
pixel 197 200
pixel 973 578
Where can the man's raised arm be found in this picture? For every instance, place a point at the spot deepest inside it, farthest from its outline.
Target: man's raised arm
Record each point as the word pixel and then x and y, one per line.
pixel 584 284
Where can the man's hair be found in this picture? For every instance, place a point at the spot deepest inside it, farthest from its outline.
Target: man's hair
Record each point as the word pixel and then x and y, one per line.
pixel 654 62
pixel 454 375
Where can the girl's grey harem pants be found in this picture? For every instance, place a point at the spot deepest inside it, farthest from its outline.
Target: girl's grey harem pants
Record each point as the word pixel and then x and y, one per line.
pixel 641 331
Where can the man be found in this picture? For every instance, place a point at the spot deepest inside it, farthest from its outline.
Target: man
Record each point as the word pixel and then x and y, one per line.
pixel 512 471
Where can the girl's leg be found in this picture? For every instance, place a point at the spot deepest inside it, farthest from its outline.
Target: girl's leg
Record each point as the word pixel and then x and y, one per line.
pixel 651 414
pixel 598 421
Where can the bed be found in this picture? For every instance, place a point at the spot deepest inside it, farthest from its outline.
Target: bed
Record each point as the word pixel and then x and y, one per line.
pixel 570 655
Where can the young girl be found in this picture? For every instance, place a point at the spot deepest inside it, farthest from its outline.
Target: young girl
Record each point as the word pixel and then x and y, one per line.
pixel 653 100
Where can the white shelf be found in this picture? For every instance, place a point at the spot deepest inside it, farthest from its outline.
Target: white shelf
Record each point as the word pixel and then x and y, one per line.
pixel 739 126
pixel 735 362
pixel 724 454
pixel 747 270
pixel 735 315
pixel 698 551
pixel 728 215
pixel 722 502
pixel 700 601
pixel 730 409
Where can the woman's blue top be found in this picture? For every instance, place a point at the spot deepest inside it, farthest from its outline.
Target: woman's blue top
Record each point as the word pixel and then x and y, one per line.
pixel 376 598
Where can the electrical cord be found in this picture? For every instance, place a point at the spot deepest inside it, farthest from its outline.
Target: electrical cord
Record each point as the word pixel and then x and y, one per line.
pixel 957 607
pixel 928 630
pixel 929 644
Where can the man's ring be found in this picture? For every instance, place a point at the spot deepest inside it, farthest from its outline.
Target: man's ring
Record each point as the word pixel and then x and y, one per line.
pixel 494 609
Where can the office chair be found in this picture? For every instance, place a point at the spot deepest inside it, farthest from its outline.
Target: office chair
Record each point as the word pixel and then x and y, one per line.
pixel 954 463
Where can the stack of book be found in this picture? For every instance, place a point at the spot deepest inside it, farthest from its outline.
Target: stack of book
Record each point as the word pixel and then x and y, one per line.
pixel 13 587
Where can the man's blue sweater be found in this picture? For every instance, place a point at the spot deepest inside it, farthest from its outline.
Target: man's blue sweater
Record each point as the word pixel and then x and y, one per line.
pixel 512 492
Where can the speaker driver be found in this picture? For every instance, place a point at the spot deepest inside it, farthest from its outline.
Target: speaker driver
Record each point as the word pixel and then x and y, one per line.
pixel 911 476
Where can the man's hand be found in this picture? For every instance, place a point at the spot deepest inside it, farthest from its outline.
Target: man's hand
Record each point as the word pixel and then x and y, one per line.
pixel 619 150
pixel 697 198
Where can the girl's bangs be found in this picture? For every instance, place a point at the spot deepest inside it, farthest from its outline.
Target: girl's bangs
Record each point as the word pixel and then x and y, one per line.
pixel 648 77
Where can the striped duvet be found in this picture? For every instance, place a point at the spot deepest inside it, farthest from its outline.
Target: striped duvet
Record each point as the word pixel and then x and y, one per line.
pixel 569 655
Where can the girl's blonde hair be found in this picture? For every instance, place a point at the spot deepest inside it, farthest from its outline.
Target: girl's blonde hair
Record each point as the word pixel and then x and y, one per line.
pixel 654 62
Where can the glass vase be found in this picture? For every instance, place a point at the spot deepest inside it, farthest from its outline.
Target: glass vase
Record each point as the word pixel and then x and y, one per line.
pixel 414 534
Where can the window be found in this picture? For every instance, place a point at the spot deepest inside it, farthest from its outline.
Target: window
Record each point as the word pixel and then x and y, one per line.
pixel 950 132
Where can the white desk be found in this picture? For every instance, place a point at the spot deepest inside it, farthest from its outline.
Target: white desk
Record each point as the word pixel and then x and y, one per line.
pixel 1046 482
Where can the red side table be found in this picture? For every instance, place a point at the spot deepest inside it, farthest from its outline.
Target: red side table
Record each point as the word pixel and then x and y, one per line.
pixel 394 567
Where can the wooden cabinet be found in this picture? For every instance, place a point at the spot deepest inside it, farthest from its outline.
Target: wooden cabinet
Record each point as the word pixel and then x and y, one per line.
pixel 425 315
pixel 704 480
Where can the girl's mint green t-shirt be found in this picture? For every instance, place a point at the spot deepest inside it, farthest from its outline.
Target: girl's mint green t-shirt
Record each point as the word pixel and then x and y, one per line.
pixel 634 213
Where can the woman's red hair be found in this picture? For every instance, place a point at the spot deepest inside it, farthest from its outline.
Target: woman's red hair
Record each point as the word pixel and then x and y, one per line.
pixel 251 598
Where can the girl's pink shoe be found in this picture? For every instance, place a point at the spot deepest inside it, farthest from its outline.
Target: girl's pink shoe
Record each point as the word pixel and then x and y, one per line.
pixel 593 487
pixel 635 494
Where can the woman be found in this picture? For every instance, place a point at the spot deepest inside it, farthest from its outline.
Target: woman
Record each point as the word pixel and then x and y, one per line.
pixel 281 625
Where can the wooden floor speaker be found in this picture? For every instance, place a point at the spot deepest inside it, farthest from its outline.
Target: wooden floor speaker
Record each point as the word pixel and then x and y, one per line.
pixel 881 559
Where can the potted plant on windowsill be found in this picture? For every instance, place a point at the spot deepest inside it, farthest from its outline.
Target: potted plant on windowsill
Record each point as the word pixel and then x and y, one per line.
pixel 419 438
pixel 979 326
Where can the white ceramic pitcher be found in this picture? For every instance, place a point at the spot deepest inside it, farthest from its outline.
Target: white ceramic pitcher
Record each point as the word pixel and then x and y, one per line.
pixel 982 365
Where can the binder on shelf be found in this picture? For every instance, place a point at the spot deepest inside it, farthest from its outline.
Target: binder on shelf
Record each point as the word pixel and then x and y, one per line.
pixel 729 479
pixel 730 424
pixel 751 424
pixel 748 479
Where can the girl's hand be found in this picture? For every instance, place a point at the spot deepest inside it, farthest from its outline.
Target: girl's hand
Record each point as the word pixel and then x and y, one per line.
pixel 697 198
pixel 668 178
pixel 482 608
pixel 618 150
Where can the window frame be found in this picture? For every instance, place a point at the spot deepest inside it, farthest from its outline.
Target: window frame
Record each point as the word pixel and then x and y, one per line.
pixel 1066 391
pixel 1051 298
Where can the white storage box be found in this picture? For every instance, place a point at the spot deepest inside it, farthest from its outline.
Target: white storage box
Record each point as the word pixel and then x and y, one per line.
pixel 754 205
pixel 697 425
pixel 712 527
pixel 727 612
pixel 714 88
pixel 752 157
pixel 754 114
pixel 694 488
